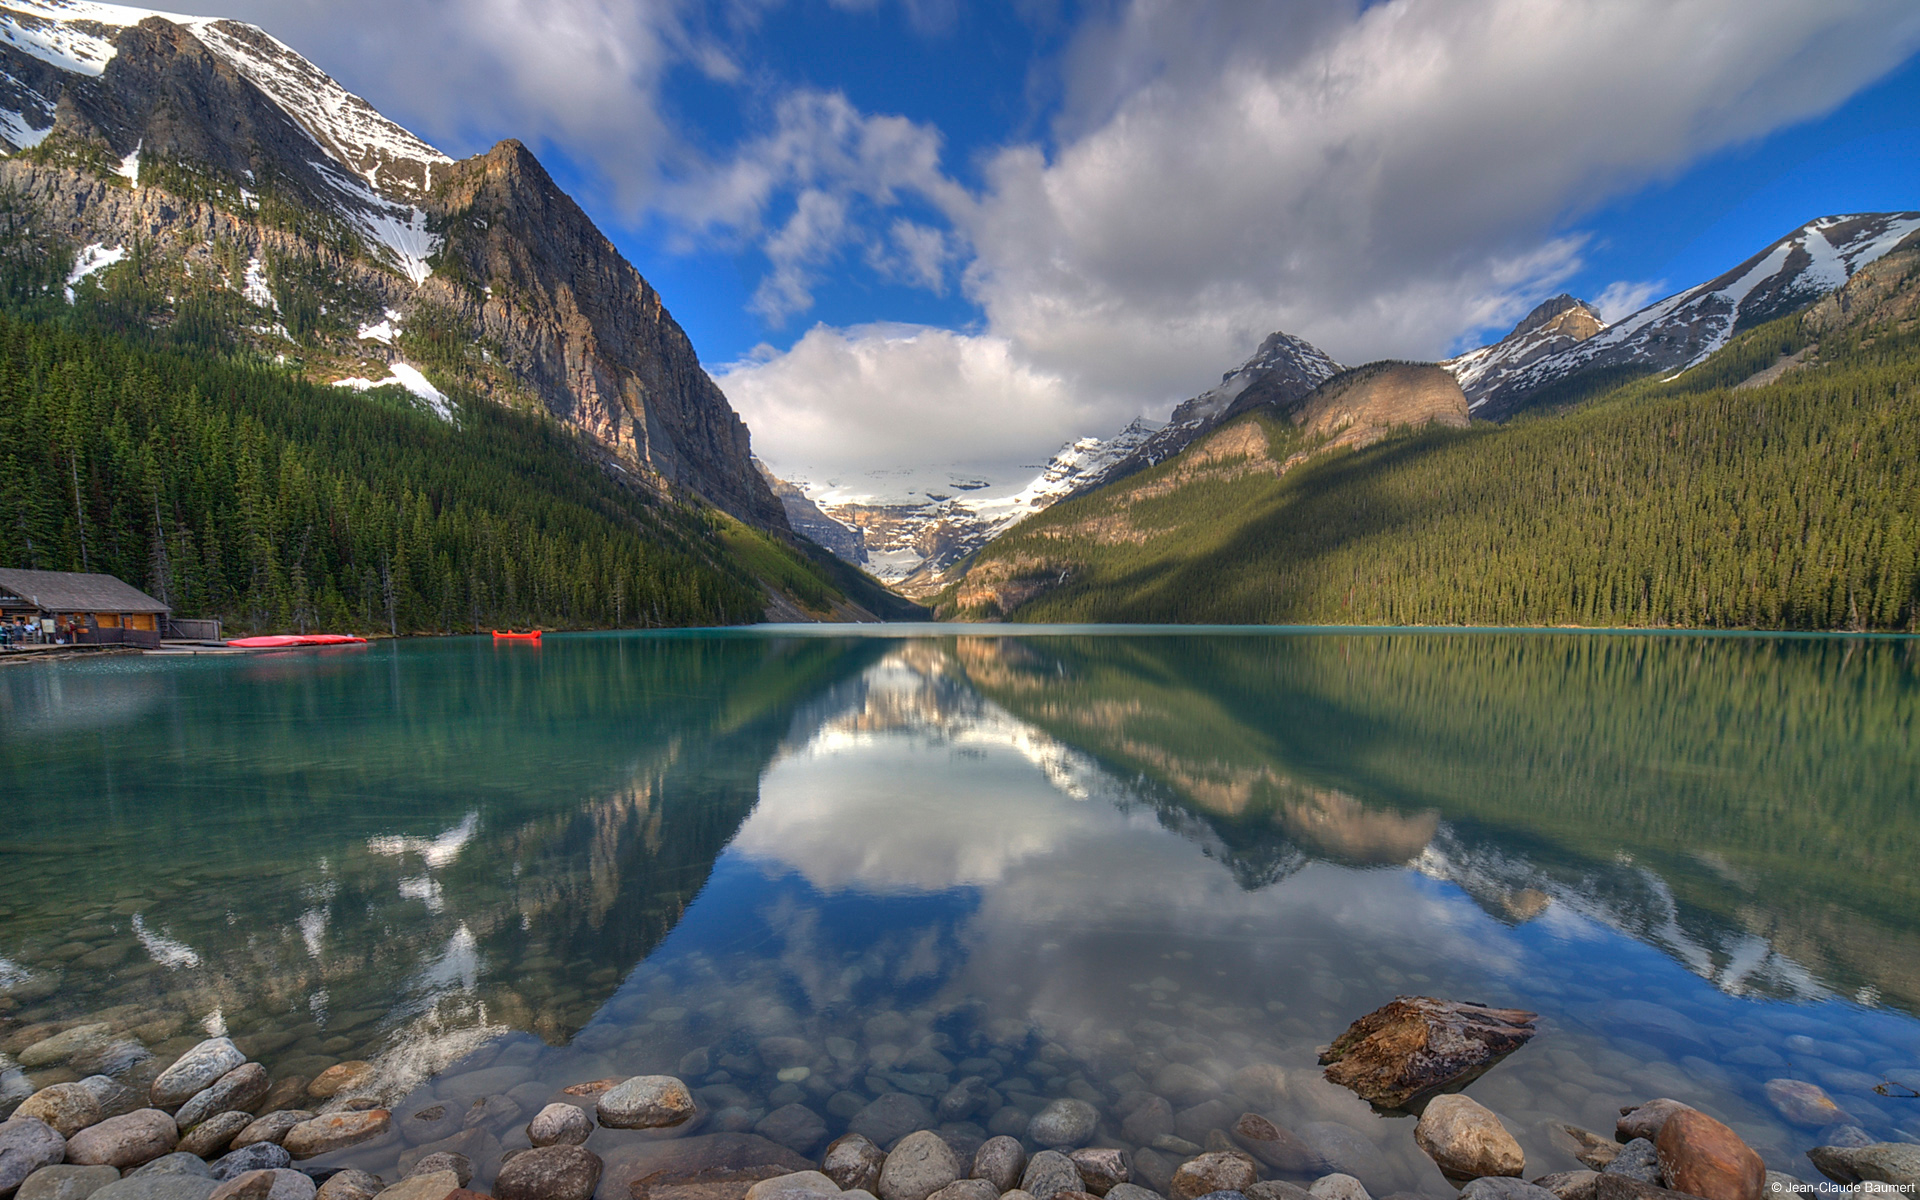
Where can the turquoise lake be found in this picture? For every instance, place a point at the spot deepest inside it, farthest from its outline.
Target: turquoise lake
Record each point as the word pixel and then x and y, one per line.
pixel 1062 861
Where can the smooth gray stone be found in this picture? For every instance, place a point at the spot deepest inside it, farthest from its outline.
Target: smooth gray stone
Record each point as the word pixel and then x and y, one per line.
pixel 560 1125
pixel 1064 1124
pixel 66 1182
pixel 157 1187
pixel 919 1166
pixel 1637 1160
pixel 1504 1187
pixel 1885 1162
pixel 178 1163
pixel 1133 1191
pixel 1000 1161
pixel 195 1071
pixel 1049 1173
pixel 26 1145
pixel 238 1090
pixel 261 1156
pixel 1338 1186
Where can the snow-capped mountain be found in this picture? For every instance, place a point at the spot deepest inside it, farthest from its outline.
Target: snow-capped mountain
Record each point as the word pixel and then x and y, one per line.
pixel 1280 373
pixel 1683 329
pixel 1555 325
pixel 911 545
pixel 248 168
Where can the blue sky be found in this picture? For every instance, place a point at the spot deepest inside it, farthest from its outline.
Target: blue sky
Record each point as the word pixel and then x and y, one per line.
pixel 916 238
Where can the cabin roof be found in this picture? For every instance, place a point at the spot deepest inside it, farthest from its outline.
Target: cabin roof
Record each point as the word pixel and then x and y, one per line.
pixel 70 591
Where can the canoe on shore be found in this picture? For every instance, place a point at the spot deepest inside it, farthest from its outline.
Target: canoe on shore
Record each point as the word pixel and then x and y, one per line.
pixel 281 641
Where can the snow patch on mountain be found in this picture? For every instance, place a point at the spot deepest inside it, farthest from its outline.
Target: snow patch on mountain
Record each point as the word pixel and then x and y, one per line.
pixel 92 259
pixel 410 378
pixel 76 35
pixel 384 332
pixel 1683 329
pixel 129 168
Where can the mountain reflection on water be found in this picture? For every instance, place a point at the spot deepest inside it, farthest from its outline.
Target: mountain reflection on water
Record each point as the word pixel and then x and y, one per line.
pixel 634 847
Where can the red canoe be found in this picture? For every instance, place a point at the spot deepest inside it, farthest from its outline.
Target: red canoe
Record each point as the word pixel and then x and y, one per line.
pixel 507 635
pixel 283 640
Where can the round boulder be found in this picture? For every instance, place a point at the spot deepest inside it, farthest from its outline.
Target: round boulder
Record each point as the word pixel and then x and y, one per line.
pixel 1219 1171
pixel 1001 1161
pixel 335 1131
pixel 125 1141
pixel 645 1102
pixel 1702 1157
pixel 549 1173
pixel 66 1182
pixel 853 1162
pixel 240 1089
pixel 68 1107
pixel 1467 1140
pixel 340 1077
pixel 26 1145
pixel 279 1184
pixel 194 1072
pixel 351 1185
pixel 213 1135
pixel 271 1128
pixel 261 1156
pixel 1102 1170
pixel 1048 1174
pixel 920 1165
pixel 560 1125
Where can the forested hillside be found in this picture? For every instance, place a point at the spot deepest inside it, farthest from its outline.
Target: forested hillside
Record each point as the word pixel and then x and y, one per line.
pixel 1690 502
pixel 230 488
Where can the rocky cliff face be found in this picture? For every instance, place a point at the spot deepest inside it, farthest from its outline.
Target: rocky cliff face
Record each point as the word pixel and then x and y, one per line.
pixel 1359 407
pixel 354 248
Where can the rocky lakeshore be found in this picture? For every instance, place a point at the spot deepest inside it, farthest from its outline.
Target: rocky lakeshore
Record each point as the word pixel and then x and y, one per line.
pixel 901 1114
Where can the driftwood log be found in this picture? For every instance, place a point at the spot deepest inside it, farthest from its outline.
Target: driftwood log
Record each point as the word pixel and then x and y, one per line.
pixel 1417 1044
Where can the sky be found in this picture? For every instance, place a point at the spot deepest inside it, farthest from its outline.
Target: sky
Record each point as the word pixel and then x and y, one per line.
pixel 923 239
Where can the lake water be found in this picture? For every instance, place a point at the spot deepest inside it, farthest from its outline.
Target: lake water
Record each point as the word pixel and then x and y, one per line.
pixel 1061 861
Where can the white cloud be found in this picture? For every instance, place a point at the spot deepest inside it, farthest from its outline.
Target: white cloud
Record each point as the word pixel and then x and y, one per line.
pixel 1623 297
pixel 880 396
pixel 582 76
pixel 1380 182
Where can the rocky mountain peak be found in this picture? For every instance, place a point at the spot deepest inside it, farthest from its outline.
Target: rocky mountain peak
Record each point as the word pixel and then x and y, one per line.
pixel 246 168
pixel 1562 314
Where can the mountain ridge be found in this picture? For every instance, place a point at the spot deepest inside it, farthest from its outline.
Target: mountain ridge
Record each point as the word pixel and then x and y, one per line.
pixel 359 249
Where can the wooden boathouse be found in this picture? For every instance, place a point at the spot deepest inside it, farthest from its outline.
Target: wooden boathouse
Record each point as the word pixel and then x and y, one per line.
pixel 91 609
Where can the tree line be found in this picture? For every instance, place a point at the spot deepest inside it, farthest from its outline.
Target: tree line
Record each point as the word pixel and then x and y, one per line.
pixel 1682 503
pixel 228 487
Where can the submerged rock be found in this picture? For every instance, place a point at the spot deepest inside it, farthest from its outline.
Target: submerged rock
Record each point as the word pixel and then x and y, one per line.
pixel 1278 1148
pixel 1418 1044
pixel 1590 1148
pixel 351 1185
pixel 1467 1140
pixel 645 1102
pixel 560 1125
pixel 1804 1103
pixel 549 1173
pixel 1064 1124
pixel 1570 1185
pixel 340 1077
pixel 1497 1187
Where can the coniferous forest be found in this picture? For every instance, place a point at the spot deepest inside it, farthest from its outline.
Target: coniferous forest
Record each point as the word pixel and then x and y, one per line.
pixel 223 484
pixel 1684 502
